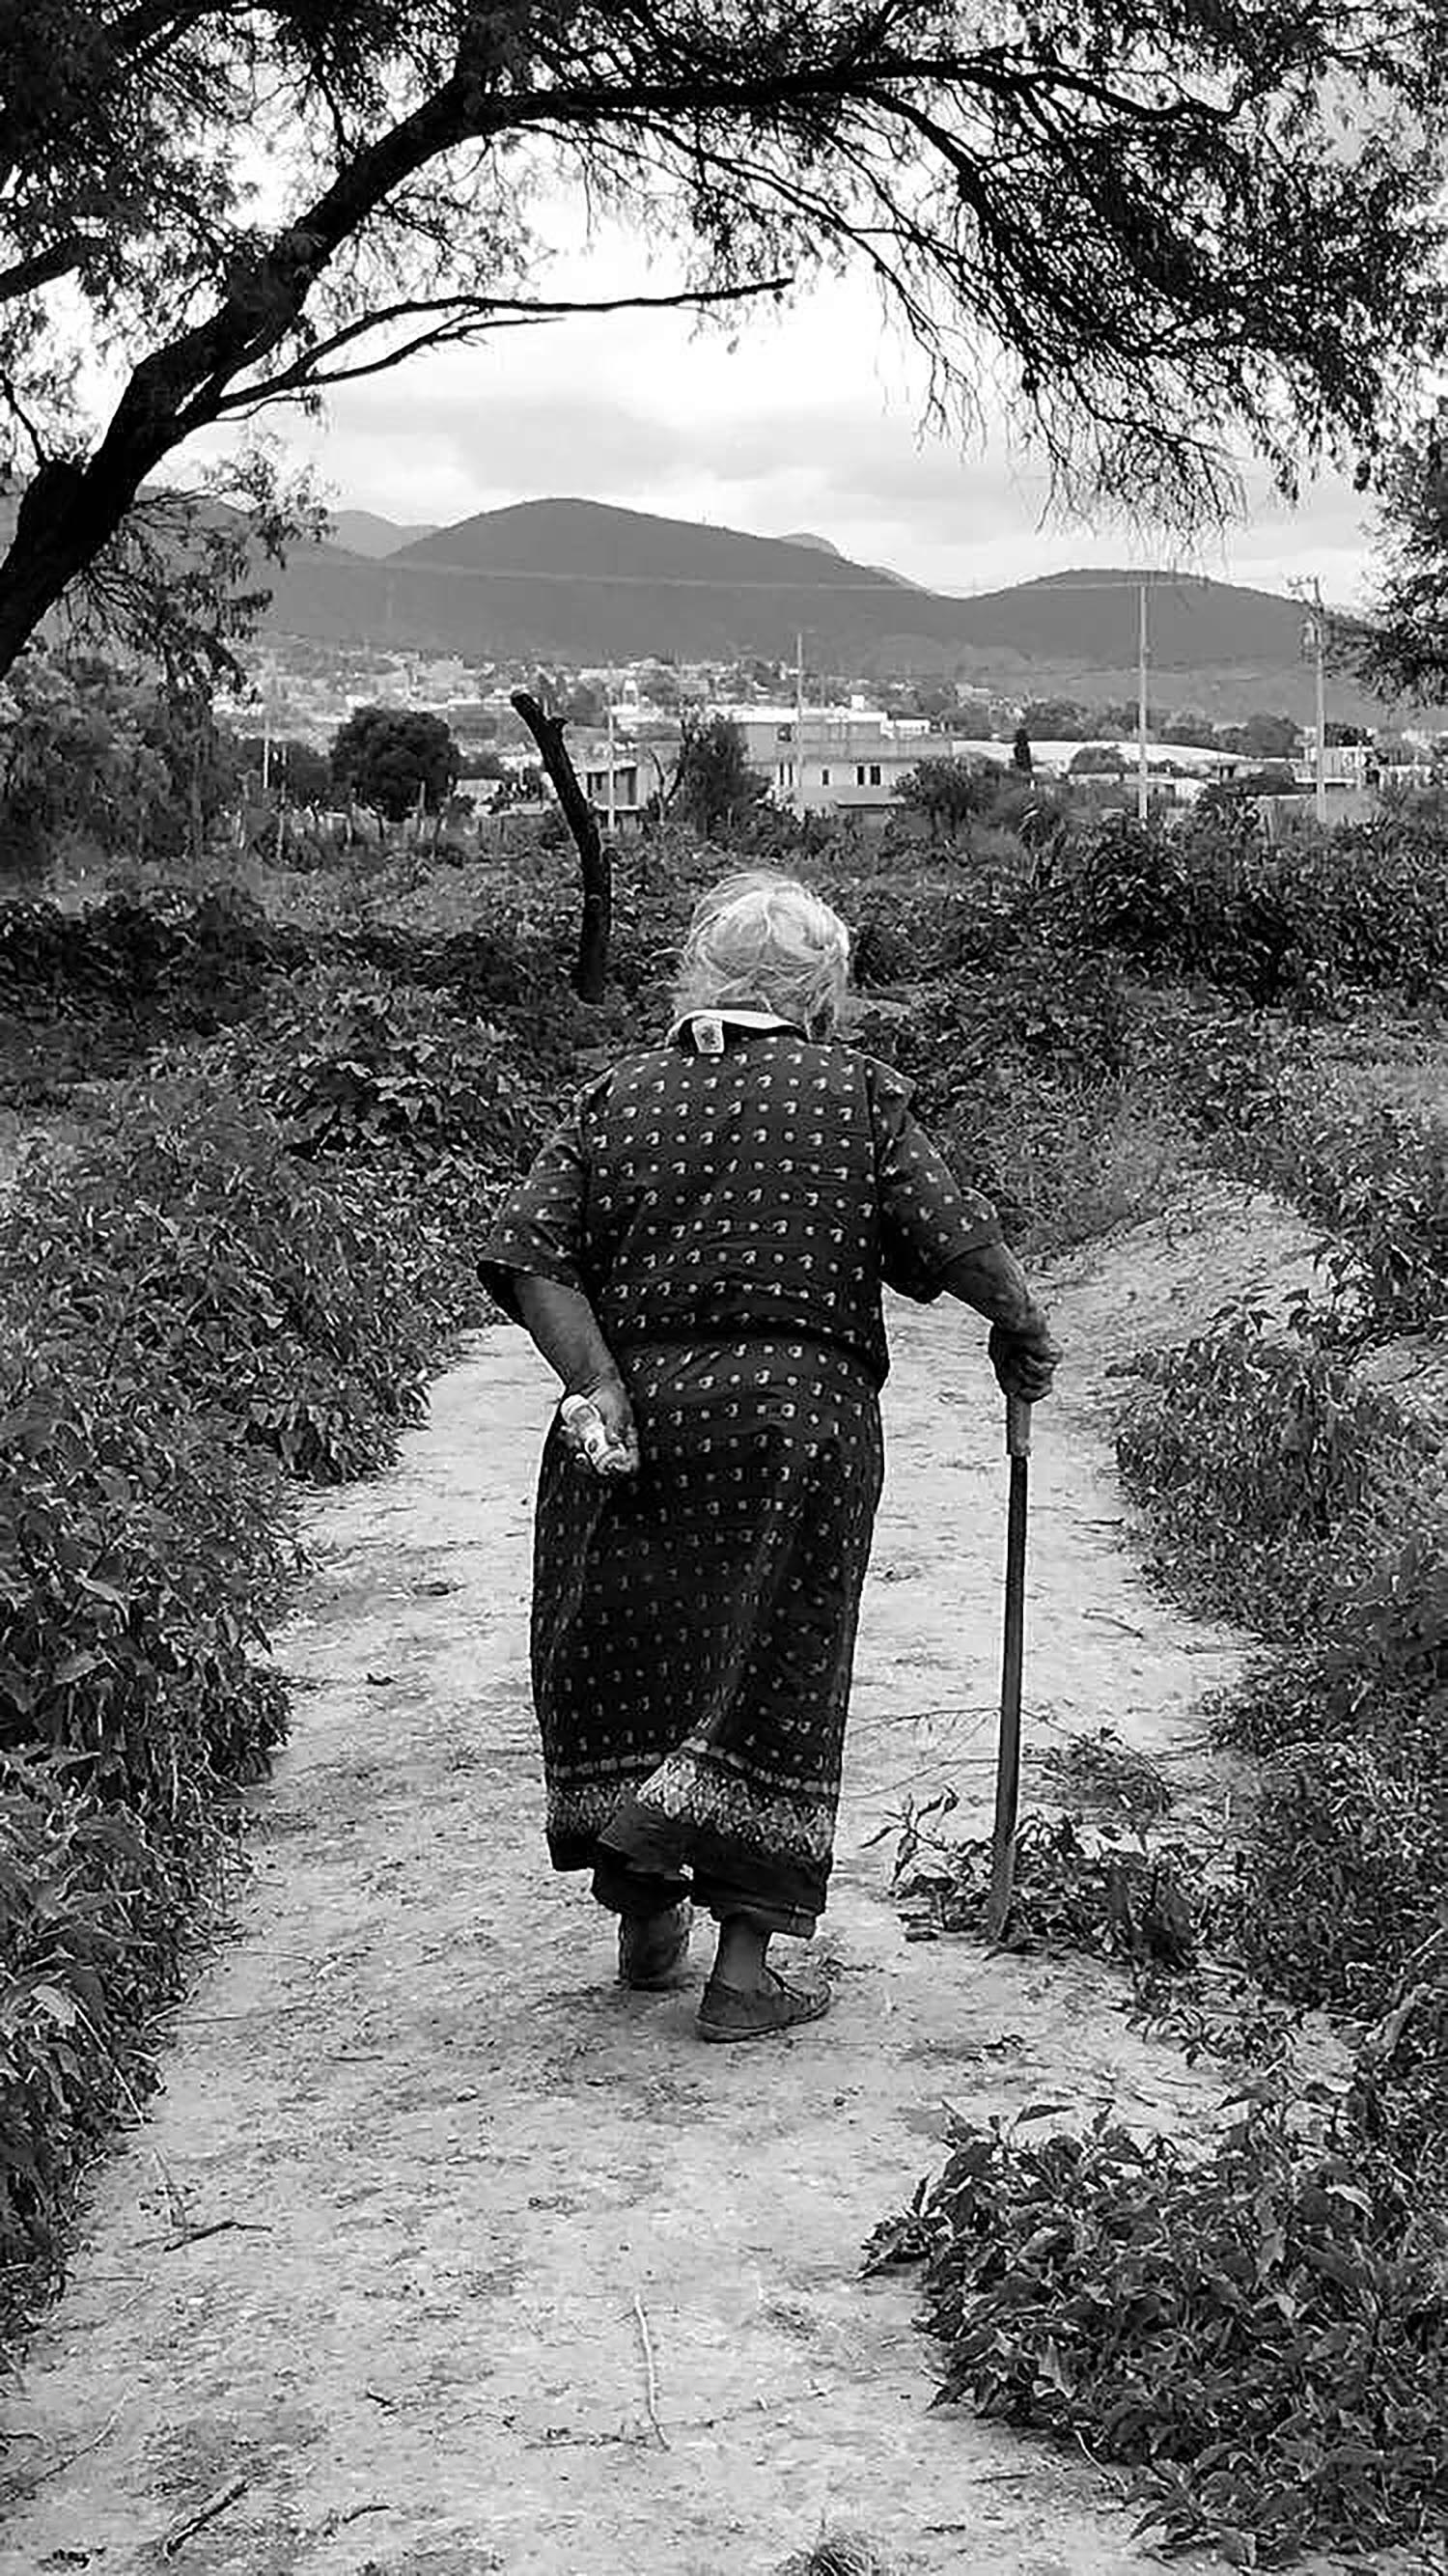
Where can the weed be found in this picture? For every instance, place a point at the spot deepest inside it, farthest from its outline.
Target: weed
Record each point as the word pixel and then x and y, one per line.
pixel 1103 1771
pixel 1073 1889
pixel 1272 1479
pixel 1259 2333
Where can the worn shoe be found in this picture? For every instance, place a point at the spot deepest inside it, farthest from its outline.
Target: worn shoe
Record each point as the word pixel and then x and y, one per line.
pixel 727 2013
pixel 653 1949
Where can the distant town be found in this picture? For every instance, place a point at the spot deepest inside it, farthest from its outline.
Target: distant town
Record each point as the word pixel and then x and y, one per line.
pixel 821 743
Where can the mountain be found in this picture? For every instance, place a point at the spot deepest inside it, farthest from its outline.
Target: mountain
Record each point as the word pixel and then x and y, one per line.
pixel 580 582
pixel 362 532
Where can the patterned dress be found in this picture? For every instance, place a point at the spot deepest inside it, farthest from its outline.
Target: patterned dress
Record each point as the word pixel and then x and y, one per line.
pixel 731 1215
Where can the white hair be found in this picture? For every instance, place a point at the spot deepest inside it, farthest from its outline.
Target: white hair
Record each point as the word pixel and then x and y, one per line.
pixel 760 942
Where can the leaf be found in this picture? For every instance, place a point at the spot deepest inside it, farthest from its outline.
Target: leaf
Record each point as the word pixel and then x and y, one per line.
pixel 74 1667
pixel 59 2007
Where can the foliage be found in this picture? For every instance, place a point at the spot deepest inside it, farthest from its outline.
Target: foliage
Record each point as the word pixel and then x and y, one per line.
pixel 948 794
pixel 1271 1477
pixel 1074 1889
pixel 1259 2332
pixel 1399 2095
pixel 1023 1075
pixel 89 758
pixel 298 771
pixel 1101 1770
pixel 1342 1875
pixel 395 759
pixel 1401 647
pixel 1377 1176
pixel 713 788
pixel 1260 257
pixel 243 1269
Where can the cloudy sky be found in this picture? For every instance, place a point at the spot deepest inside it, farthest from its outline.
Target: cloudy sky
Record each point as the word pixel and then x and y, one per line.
pixel 806 420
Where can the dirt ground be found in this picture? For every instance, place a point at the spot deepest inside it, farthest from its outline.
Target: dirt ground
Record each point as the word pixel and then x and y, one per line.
pixel 440 2254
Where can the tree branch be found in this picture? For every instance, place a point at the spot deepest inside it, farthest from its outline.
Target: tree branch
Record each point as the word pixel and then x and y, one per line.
pixel 591 972
pixel 470 317
pixel 44 267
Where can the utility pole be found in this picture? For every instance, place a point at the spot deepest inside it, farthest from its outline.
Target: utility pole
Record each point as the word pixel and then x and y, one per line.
pixel 799 726
pixel 1319 649
pixel 612 797
pixel 1142 796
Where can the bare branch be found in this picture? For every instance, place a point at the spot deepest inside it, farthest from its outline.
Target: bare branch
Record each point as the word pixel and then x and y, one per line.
pixel 468 319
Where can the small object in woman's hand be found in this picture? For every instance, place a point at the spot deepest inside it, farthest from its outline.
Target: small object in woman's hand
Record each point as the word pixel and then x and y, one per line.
pixel 605 1456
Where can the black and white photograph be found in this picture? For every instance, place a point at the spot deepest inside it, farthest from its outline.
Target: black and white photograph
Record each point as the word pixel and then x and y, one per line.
pixel 723 1287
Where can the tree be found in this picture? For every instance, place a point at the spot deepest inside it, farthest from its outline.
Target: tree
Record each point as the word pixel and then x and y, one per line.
pixel 1021 751
pixel 659 685
pixel 1054 720
pixel 948 794
pixel 585 704
pixel 713 785
pixel 1189 728
pixel 1096 760
pixel 87 755
pixel 1179 227
pixel 294 768
pixel 1263 737
pixel 388 757
pixel 1402 646
pixel 590 974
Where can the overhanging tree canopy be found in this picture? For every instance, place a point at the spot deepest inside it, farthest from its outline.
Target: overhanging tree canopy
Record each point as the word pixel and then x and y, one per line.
pixel 1175 221
pixel 1402 645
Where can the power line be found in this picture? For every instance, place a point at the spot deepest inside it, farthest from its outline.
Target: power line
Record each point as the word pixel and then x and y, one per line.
pixel 901 589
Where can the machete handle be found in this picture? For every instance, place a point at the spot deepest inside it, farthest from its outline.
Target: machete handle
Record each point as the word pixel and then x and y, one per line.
pixel 1018 1427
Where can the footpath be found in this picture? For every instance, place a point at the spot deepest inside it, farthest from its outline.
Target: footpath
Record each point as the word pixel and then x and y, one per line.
pixel 438 2253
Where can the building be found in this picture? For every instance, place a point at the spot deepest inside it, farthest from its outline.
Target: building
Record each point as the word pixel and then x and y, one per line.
pixel 836 759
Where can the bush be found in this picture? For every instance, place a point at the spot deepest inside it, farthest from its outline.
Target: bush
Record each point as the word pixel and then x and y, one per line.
pixel 1260 2333
pixel 1363 906
pixel 1399 2093
pixel 1377 1176
pixel 1341 1876
pixel 1272 1480
pixel 1023 1077
pixel 206 1295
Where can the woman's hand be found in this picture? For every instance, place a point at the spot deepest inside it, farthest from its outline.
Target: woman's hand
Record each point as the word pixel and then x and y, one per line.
pixel 1025 1358
pixel 608 1396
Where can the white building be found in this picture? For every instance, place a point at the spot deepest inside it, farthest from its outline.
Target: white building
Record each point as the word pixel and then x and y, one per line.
pixel 833 759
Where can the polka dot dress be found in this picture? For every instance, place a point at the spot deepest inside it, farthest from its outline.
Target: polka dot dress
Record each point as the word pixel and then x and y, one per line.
pixel 731 1219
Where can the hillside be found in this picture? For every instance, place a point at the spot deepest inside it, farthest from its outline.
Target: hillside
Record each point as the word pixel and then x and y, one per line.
pixel 363 532
pixel 578 581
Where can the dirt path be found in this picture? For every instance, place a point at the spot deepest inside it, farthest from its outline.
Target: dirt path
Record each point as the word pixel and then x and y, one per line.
pixel 480 2178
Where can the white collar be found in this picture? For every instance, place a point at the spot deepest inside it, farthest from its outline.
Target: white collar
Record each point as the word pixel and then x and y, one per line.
pixel 707 1027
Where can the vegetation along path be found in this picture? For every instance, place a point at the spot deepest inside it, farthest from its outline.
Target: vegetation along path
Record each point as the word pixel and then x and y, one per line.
pixel 439 2253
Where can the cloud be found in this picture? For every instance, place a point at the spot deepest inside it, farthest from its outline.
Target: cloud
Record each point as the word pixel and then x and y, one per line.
pixel 802 419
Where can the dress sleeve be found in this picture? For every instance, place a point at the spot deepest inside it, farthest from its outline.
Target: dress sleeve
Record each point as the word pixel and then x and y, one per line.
pixel 540 1229
pixel 927 1220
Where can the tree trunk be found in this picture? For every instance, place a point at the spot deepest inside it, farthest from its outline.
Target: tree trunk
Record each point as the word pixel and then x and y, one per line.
pixel 590 975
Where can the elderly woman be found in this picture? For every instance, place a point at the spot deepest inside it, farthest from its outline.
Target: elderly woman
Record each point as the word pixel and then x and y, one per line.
pixel 699 1252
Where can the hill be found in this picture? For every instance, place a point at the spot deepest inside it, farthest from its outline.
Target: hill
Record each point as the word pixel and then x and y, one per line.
pixel 578 581
pixel 363 532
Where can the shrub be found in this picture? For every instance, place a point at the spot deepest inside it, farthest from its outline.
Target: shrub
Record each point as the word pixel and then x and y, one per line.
pixel 1399 2093
pixel 1271 1479
pixel 1378 1674
pixel 197 1305
pixel 1259 2333
pixel 1340 1877
pixel 1377 1176
pixel 1130 888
